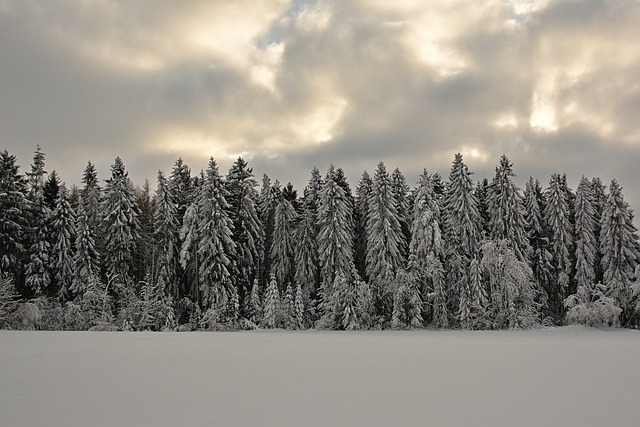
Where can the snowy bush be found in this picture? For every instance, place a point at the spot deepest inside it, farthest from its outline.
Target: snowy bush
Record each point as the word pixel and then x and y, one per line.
pixel 8 302
pixel 590 307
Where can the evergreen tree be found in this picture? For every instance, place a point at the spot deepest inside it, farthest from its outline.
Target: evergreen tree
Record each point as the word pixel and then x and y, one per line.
pixel 349 305
pixel 269 195
pixel 426 238
pixel 64 220
pixel 181 188
pixel 90 196
pixel 86 258
pixel 271 317
pixel 618 242
pixel 407 302
pixel 165 237
pixel 216 247
pixel 255 305
pixel 462 229
pixel 190 235
pixel 37 275
pixel 506 210
pixel 306 254
pixel 248 234
pixel 540 257
pixel 385 240
pixel 599 202
pixel 299 308
pixel 586 244
pixel 282 246
pixel 50 190
pixel 556 215
pixel 438 296
pixel 335 238
pixel 363 191
pixel 120 224
pixel 482 194
pixel 400 191
pixel 288 311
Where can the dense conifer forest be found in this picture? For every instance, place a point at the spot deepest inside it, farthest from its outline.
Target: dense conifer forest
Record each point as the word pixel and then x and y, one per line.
pixel 222 251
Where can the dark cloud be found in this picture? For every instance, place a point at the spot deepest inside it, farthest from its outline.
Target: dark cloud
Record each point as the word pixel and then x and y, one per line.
pixel 293 85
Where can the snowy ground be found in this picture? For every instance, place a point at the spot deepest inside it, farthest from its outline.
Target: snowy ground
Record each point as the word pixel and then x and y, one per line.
pixel 554 377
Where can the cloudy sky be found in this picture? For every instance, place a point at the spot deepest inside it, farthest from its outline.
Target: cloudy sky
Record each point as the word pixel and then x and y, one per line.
pixel 555 85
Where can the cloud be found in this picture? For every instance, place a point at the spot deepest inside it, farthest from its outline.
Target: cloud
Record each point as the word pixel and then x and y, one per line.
pixel 289 85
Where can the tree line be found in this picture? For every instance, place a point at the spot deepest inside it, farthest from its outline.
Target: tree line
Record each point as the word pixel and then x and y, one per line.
pixel 214 251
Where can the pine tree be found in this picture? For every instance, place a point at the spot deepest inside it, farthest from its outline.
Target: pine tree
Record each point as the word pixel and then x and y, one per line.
pixel 120 224
pixel 216 247
pixel 306 254
pixel 619 245
pixel 288 309
pixel 248 233
pixel 143 258
pixel 556 215
pixel 586 244
pixel 350 304
pixel 506 210
pixel 86 258
pixel 181 187
pixel 190 235
pixel 599 202
pixel 482 194
pixel 385 240
pixel 266 209
pixel 64 220
pixel 438 296
pixel 271 316
pixel 282 246
pixel 335 238
pixel 255 305
pixel 165 237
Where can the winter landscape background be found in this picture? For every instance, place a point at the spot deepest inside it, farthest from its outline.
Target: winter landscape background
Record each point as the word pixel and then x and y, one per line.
pixel 563 376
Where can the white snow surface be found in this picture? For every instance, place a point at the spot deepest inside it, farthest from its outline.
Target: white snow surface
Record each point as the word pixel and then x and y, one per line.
pixel 569 376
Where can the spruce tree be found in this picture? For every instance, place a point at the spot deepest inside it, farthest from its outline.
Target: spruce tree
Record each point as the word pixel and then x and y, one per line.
pixel 407 302
pixel 599 203
pixel 335 238
pixel 361 214
pixel 190 235
pixel 144 253
pixel 266 209
pixel 248 233
pixel 506 211
pixel 438 295
pixel 426 238
pixel 299 308
pixel 282 245
pixel 254 313
pixel 540 256
pixel 271 313
pixel 63 227
pixel 120 224
pixel 619 245
pixel 90 198
pixel 306 253
pixel 37 274
pixel 400 191
pixel 586 244
pixel 165 238
pixel 557 216
pixel 86 258
pixel 215 247
pixel 384 240
pixel 50 190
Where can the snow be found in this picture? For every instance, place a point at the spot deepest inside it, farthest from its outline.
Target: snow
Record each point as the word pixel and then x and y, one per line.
pixel 570 376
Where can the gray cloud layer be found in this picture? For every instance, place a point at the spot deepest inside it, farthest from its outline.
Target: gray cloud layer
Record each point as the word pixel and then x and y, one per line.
pixel 552 84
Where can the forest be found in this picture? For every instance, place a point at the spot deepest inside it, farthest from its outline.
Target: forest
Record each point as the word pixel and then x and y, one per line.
pixel 209 251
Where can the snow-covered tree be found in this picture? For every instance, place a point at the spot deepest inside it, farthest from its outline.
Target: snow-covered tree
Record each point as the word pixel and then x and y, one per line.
pixel 400 191
pixel 216 247
pixel 335 238
pixel 254 312
pixel 438 294
pixel 426 238
pixel 165 236
pixel 269 195
pixel 591 307
pixel 86 258
pixel 350 305
pixel 556 215
pixel 13 225
pixel 248 233
pixel 619 245
pixel 90 198
pixel 512 291
pixel 407 301
pixel 50 190
pixel 64 231
pixel 384 240
pixel 190 236
pixel 120 223
pixel 361 215
pixel 298 309
pixel 306 253
pixel 540 259
pixel 282 245
pixel 586 243
pixel 506 210
pixel 271 311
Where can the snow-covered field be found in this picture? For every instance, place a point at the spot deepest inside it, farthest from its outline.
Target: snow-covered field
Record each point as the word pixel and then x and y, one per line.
pixel 551 377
